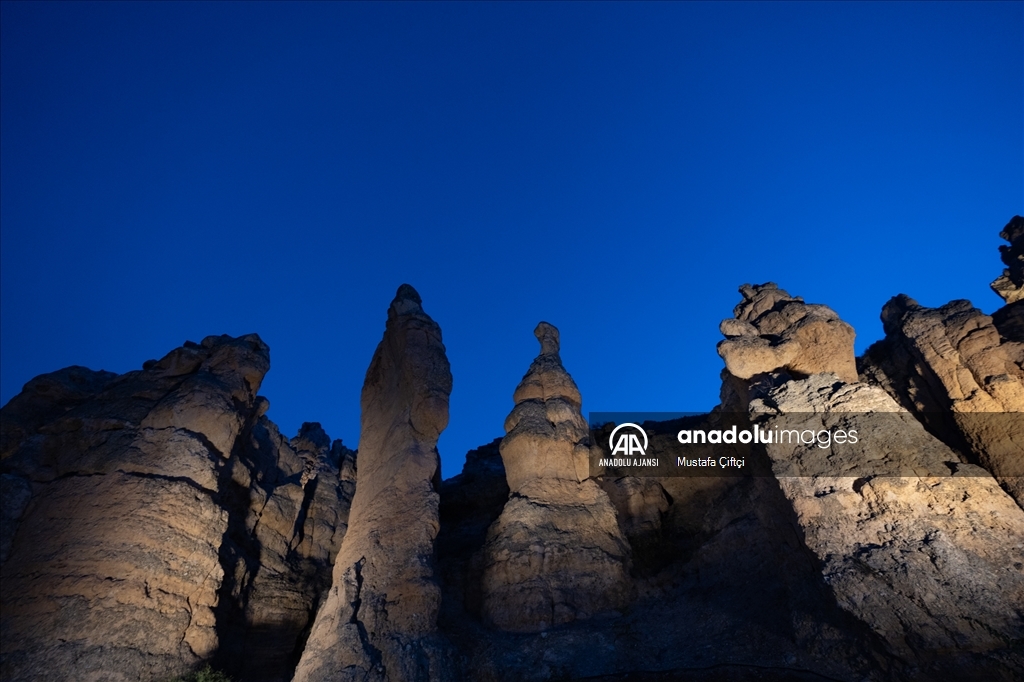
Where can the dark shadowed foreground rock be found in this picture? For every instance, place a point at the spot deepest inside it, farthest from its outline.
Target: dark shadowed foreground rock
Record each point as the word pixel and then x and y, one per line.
pixel 1010 284
pixel 556 553
pixel 379 621
pixel 150 505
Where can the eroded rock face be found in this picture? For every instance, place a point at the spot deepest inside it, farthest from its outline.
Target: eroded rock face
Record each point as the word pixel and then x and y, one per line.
pixel 931 562
pixel 281 551
pixel 774 331
pixel 45 398
pixel 953 370
pixel 556 553
pixel 146 517
pixel 115 568
pixel 379 621
pixel 1010 284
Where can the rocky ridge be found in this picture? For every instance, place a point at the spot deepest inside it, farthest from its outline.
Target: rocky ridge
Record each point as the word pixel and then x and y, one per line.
pixel 157 521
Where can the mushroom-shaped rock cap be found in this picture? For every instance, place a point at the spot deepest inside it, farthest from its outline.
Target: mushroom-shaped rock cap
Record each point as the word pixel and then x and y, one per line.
pixel 407 300
pixel 547 379
pixel 773 331
pixel 547 334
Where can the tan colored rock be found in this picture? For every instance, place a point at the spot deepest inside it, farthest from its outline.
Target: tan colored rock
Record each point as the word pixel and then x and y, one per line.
pixel 161 522
pixel 45 398
pixel 114 570
pixel 932 561
pixel 379 621
pixel 556 553
pixel 951 367
pixel 774 331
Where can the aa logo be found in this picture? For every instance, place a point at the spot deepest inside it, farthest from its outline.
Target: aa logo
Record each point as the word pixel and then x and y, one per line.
pixel 628 443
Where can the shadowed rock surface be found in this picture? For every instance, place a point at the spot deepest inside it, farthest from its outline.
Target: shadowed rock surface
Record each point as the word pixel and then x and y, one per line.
pixel 1010 284
pixel 379 621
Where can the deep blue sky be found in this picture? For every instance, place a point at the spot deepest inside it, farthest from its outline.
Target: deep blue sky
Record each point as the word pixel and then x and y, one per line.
pixel 169 171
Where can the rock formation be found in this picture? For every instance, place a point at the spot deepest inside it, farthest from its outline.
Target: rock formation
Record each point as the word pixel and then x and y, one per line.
pixel 930 561
pixel 1010 284
pixel 142 504
pixel 280 558
pixel 951 368
pixel 556 553
pixel 773 331
pixel 379 621
pixel 939 589
pixel 157 521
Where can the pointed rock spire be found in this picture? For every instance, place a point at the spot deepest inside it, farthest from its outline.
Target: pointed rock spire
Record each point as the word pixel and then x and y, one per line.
pixel 379 621
pixel 556 553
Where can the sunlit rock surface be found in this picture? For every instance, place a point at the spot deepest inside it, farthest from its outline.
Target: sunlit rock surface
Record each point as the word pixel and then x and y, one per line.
pixel 141 511
pixel 379 621
pixel 556 553
pixel 951 367
pixel 930 561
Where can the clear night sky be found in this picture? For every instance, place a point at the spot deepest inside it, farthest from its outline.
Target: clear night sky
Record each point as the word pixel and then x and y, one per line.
pixel 170 171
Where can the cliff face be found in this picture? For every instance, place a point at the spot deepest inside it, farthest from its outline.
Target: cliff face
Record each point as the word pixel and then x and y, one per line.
pixel 157 521
pixel 938 548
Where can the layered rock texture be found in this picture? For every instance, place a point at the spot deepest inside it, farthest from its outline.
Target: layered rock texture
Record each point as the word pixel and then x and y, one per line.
pixel 931 562
pixel 157 521
pixel 556 553
pixel 379 621
pixel 965 382
pixel 943 588
pixel 772 330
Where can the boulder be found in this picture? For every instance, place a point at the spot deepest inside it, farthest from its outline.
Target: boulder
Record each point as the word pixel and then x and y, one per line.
pixel 773 331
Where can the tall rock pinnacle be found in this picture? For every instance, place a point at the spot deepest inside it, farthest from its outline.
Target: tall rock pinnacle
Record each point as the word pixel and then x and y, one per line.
pixel 556 553
pixel 379 619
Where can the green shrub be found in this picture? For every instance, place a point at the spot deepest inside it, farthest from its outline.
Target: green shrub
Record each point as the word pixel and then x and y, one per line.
pixel 207 674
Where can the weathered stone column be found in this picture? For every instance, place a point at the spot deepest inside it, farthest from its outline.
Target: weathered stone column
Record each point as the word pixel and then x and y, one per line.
pixel 379 621
pixel 556 553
